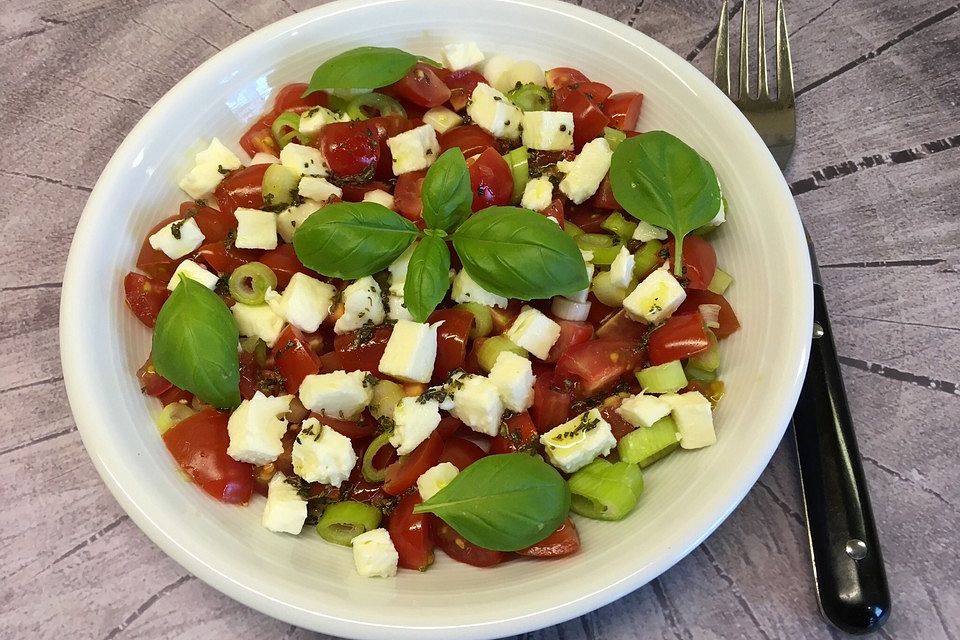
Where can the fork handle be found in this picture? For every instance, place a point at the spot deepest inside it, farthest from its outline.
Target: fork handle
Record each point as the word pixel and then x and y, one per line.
pixel 848 568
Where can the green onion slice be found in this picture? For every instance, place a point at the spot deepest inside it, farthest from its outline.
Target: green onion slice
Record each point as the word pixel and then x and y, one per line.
pixel 341 522
pixel 604 490
pixel 249 282
pixel 367 468
pixel 530 97
pixel 286 128
pixel 383 105
pixel 519 162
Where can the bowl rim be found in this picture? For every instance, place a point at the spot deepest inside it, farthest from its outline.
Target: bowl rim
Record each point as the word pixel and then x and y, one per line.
pixel 75 353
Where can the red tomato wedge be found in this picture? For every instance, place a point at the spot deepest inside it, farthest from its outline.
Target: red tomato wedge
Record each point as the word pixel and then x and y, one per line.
pixel 452 338
pixel 294 358
pixel 491 179
pixel 699 261
pixel 470 139
pixel 551 404
pixel 151 382
pixel 520 434
pixel 679 337
pixel 460 452
pixel 421 86
pixel 145 296
pixel 225 258
pixel 411 534
pixel 460 549
pixel 461 84
pixel 564 541
pixel 357 353
pixel 283 261
pixel 728 318
pixel 571 333
pixel 156 263
pixel 623 109
pixel 402 474
pixel 241 188
pixel 588 119
pixel 598 365
pixel 406 195
pixel 562 76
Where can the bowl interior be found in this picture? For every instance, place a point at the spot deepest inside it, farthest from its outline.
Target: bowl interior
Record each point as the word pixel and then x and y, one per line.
pixel 308 582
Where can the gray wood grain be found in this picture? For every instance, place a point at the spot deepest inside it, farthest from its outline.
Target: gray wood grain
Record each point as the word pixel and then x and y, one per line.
pixel 875 179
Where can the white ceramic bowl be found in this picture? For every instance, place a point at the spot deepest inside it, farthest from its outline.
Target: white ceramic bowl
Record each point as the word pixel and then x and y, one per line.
pixel 308 582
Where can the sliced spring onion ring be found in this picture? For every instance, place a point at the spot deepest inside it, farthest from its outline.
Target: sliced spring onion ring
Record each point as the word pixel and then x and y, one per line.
pixel 341 522
pixel 249 282
pixel 173 414
pixel 482 317
pixel 367 468
pixel 613 137
pixel 518 161
pixel 384 106
pixel 286 128
pixel 530 97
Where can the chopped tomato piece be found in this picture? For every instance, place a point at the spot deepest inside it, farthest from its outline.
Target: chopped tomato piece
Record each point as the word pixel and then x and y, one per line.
pixel 452 338
pixel 604 198
pixel 470 139
pixel 491 179
pixel 461 84
pixel 517 434
pixel 599 364
pixel 571 333
pixel 241 188
pixel 623 109
pixel 156 263
pixel 363 427
pixel 621 326
pixel 151 382
pixel 555 210
pixel 728 319
pixel 351 149
pixel 411 534
pixel 421 86
pixel 259 139
pixel 355 192
pixel 564 541
pixel 294 358
pixel 406 195
pixel 587 217
pixel 551 404
pixel 618 425
pixel 174 394
pixel 361 350
pixel 283 261
pixel 588 119
pixel 145 296
pixel 596 91
pixel 291 98
pixel 562 76
pixel 679 337
pixel 402 474
pixel 699 261
pixel 460 549
pixel 224 258
pixel 460 452
pixel 215 225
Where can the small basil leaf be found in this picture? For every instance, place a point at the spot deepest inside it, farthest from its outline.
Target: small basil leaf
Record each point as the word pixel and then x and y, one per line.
pixel 362 68
pixel 351 240
pixel 657 178
pixel 446 191
pixel 503 502
pixel 195 345
pixel 428 277
pixel 517 253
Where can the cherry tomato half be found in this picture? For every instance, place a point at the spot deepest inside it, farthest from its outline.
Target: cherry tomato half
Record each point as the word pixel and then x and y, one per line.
pixel 679 337
pixel 564 541
pixel 562 76
pixel 491 179
pixel 241 188
pixel 402 474
pixel 357 352
pixel 728 319
pixel 294 358
pixel 623 109
pixel 145 296
pixel 588 119
pixel 421 86
pixel 460 452
pixel 411 534
pixel 452 338
pixel 406 194
pixel 350 148
pixel 461 84
pixel 518 434
pixel 461 550
pixel 470 139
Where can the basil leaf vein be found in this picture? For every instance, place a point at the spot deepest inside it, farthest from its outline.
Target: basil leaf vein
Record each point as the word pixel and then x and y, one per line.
pixel 428 277
pixel 195 345
pixel 362 68
pixel 446 192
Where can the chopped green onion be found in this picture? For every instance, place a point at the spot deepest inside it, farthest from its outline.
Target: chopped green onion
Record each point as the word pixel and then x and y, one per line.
pixel 720 282
pixel 613 137
pixel 646 258
pixel 695 373
pixel 491 349
pixel 286 128
pixel 620 226
pixel 386 396
pixel 383 105
pixel 483 318
pixel 257 347
pixel 603 256
pixel 530 97
pixel 646 445
pixel 604 490
pixel 337 103
pixel 571 229
pixel 607 293
pixel 663 378
pixel 369 471
pixel 708 360
pixel 341 522
pixel 593 241
pixel 518 161
pixel 172 415
pixel 249 282
pixel 279 185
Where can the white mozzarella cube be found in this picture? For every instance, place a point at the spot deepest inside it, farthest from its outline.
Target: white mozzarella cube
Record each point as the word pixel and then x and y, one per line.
pixel 255 229
pixel 435 478
pixel 567 309
pixel 411 351
pixel 656 298
pixel 442 119
pixel 398 270
pixel 312 120
pixel 520 73
pixel 414 418
pixel 318 189
pixel 219 156
pixel 643 410
pixel 548 130
pixel 462 55
pixel 578 442
pixel 534 332
pixel 201 181
pixel 513 377
pixel 178 238
pixel 494 112
pixel 374 554
pixel 495 67
pixel 361 304
pixel 581 296
pixel 585 172
pixel 646 232
pixel 195 272
pixel 262 157
pixel 320 454
pixel 285 511
pixel 304 303
pixel 258 321
pixel 290 219
pixel 256 428
pixel 465 289
pixel 537 195
pixel 477 403
pixel 381 197
pixel 621 269
pixel 303 160
pixel 414 150
pixel 694 417
pixel 338 394
pixel 397 308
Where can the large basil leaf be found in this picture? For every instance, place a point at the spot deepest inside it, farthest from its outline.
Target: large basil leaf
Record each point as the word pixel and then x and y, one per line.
pixel 446 191
pixel 659 179
pixel 503 502
pixel 351 240
pixel 517 253
pixel 195 345
pixel 362 68
pixel 428 277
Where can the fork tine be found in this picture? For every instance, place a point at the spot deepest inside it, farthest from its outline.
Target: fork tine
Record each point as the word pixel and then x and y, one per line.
pixel 721 61
pixel 762 87
pixel 744 55
pixel 785 93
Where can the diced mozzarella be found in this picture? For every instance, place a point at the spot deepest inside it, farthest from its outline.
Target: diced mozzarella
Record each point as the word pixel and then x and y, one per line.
pixel 256 428
pixel 442 119
pixel 534 332
pixel 435 478
pixel 261 157
pixel 495 67
pixel 494 112
pixel 290 219
pixel 621 269
pixel 647 232
pixel 195 272
pixel 643 410
pixel 656 298
pixel 397 308
pixel 318 189
pixel 522 72
pixel 285 511
pixel 178 238
pixel 374 554
pixel 414 419
pixel 548 130
pixel 380 197
pixel 477 403
pixel 586 171
pixel 218 155
pixel 259 321
pixel 361 304
pixel 312 120
pixel 465 289
pixel 255 229
pixel 694 417
pixel 210 165
pixel 462 55
pixel 414 150
pixel 338 394
pixel 304 303
pixel 578 442
pixel 538 194
pixel 567 309
pixel 513 377
pixel 320 454
pixel 581 296
pixel 411 351
pixel 303 160
pixel 398 269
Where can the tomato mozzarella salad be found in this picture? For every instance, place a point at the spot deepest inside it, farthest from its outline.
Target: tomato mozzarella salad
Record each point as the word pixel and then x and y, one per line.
pixel 432 284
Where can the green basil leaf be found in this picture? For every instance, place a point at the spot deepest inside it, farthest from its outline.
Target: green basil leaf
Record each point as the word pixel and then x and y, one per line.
pixel 430 61
pixel 362 68
pixel 446 191
pixel 503 502
pixel 195 345
pixel 659 179
pixel 351 240
pixel 517 253
pixel 428 277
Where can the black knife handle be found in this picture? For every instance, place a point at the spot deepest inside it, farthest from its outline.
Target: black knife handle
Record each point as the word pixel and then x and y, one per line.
pixel 847 564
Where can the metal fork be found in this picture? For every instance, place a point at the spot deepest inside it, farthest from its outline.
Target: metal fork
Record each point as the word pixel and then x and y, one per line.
pixel 848 571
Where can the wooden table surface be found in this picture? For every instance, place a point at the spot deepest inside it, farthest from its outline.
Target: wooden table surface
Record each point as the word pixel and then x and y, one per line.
pixel 877 182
